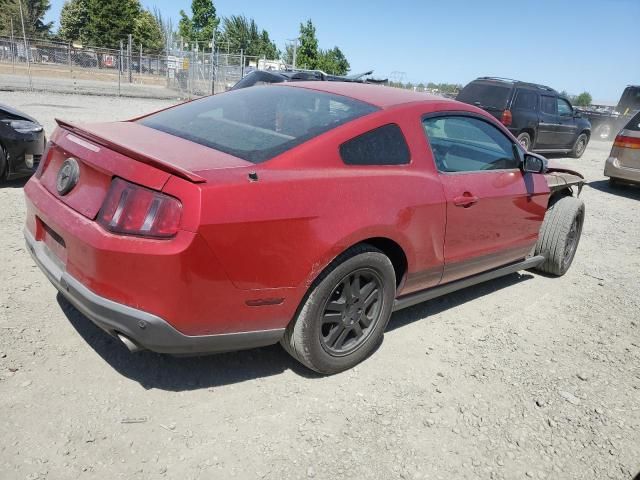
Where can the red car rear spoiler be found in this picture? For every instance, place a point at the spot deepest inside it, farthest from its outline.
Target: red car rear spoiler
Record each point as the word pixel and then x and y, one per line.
pixel 153 161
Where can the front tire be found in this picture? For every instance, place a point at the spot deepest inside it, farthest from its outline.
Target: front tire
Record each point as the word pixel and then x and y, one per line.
pixel 560 235
pixel 579 146
pixel 344 316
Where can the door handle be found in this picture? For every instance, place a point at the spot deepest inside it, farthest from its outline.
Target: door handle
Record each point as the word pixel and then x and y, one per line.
pixel 465 200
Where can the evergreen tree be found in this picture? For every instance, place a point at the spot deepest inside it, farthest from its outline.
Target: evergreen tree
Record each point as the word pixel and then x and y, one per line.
pixel 74 17
pixel 202 23
pixel 34 12
pixel 307 54
pixel 111 21
pixel 241 33
pixel 147 33
pixel 333 61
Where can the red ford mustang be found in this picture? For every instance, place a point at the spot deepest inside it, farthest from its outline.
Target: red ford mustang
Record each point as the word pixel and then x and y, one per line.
pixel 302 213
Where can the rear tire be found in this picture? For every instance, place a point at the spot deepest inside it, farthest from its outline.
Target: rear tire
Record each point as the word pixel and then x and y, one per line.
pixel 4 166
pixel 613 182
pixel 324 335
pixel 560 235
pixel 579 146
pixel 525 140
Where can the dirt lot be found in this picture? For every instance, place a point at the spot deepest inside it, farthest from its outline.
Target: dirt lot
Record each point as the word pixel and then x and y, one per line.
pixel 524 377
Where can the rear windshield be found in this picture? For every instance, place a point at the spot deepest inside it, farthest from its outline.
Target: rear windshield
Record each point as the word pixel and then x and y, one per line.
pixel 629 101
pixel 634 123
pixel 485 95
pixel 258 123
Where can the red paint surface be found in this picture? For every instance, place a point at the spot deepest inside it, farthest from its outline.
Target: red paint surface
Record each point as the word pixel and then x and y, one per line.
pixel 242 242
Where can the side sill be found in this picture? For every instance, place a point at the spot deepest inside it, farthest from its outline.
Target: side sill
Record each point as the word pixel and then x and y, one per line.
pixel 424 295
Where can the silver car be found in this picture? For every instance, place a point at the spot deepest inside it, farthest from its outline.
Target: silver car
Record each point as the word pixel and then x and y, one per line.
pixel 623 164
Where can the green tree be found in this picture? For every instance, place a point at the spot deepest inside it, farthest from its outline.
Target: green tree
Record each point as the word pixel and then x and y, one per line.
pixel 307 54
pixel 202 23
pixel 8 10
pixel 268 47
pixel 111 21
pixel 34 12
pixel 583 100
pixel 333 61
pixel 242 33
pixel 74 16
pixel 147 33
pixel 166 25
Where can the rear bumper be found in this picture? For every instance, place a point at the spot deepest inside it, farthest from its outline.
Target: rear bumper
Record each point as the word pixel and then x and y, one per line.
pixel 613 169
pixel 17 151
pixel 146 330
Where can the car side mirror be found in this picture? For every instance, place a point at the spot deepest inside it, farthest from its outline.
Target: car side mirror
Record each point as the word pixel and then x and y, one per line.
pixel 534 163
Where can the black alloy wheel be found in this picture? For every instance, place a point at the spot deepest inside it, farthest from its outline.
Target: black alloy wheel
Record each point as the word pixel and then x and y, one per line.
pixel 351 312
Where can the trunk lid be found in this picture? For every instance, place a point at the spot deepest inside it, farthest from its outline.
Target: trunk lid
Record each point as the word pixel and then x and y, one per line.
pixel 123 149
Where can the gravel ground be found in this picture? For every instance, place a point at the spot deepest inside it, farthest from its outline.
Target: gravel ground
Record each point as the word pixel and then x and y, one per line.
pixel 523 377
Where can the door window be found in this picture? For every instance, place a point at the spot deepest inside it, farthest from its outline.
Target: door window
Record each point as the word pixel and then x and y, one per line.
pixel 468 144
pixel 548 105
pixel 564 108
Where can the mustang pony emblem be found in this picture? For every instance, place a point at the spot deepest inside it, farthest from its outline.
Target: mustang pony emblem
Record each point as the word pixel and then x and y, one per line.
pixel 67 176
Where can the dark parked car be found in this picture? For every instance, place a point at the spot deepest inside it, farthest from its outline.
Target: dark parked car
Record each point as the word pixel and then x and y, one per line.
pixel 539 117
pixel 21 143
pixel 606 124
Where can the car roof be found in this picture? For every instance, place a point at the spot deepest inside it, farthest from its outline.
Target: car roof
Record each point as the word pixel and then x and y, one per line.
pixel 514 83
pixel 378 95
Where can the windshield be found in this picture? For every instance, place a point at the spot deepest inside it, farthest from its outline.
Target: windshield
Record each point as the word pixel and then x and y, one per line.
pixel 485 95
pixel 629 101
pixel 260 122
pixel 634 123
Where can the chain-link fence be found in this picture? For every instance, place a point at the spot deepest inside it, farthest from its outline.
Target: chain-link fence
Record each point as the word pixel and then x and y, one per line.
pixel 46 65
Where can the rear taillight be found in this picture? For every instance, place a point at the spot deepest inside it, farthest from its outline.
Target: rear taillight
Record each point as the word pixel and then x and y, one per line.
pixel 623 141
pixel 507 118
pixel 43 160
pixel 130 209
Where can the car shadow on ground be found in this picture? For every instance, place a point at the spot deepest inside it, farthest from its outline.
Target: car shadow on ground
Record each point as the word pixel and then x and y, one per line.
pixel 17 183
pixel 621 190
pixel 455 299
pixel 172 373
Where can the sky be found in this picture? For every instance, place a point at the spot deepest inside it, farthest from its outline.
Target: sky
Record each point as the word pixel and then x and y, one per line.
pixel 572 45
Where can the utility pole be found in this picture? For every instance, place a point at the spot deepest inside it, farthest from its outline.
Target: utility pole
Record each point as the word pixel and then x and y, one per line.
pixel 295 50
pixel 213 72
pixel 26 50
pixel 129 55
pixel 13 47
pixel 119 67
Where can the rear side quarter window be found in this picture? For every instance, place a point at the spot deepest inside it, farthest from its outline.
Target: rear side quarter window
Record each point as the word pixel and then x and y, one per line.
pixel 384 145
pixel 526 100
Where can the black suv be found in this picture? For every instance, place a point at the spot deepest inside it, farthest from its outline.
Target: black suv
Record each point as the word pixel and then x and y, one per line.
pixel 539 117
